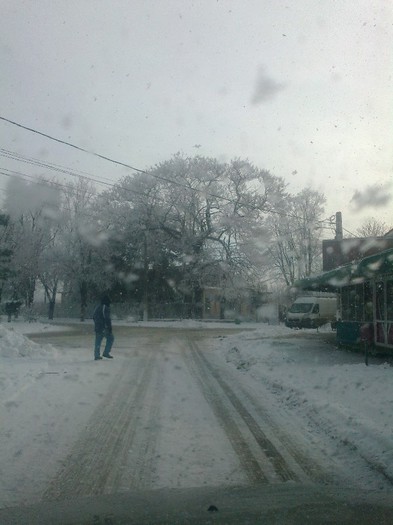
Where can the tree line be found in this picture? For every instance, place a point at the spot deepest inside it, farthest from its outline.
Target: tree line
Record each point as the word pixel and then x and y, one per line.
pixel 160 236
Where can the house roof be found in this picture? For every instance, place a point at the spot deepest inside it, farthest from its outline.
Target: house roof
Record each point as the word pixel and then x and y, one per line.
pixel 353 273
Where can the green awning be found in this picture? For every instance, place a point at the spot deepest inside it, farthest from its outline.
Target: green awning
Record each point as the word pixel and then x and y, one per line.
pixel 330 281
pixel 377 264
pixel 353 273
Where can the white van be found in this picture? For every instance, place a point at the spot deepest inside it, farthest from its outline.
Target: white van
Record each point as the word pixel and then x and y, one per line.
pixel 312 311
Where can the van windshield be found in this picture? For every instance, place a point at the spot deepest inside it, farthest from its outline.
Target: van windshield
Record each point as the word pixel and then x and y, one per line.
pixel 301 308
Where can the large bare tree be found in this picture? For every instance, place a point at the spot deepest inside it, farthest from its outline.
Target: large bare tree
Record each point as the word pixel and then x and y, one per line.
pixel 204 217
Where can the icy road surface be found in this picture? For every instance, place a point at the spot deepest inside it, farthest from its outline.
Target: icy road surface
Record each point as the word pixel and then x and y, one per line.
pixel 182 408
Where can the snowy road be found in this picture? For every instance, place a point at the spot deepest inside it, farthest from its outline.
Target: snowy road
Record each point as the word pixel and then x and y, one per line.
pixel 163 413
pixel 171 418
pixel 167 413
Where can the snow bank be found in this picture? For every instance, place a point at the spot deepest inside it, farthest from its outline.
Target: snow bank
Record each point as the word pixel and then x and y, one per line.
pixel 14 344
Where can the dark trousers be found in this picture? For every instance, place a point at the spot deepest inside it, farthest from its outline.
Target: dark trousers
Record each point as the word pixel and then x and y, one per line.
pixel 108 344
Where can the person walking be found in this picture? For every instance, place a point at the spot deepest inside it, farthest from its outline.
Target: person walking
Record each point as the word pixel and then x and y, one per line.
pixel 103 328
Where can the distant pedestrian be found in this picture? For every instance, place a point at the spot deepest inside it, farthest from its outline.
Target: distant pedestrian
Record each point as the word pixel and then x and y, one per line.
pixel 103 328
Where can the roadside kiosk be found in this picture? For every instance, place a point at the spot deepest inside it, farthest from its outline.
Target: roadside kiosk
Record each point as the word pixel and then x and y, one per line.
pixel 365 298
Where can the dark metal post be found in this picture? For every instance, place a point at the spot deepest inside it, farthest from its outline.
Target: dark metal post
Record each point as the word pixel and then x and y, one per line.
pixel 339 226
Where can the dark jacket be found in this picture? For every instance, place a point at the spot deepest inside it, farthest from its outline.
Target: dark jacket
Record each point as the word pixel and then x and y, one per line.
pixel 102 317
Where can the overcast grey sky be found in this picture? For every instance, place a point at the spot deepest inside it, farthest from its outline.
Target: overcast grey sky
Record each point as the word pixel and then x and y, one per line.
pixel 302 88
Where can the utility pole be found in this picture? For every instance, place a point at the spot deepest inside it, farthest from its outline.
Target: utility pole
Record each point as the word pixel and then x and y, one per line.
pixel 146 280
pixel 339 226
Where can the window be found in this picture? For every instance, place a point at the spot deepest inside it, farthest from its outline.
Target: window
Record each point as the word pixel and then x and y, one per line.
pixel 389 300
pixel 300 308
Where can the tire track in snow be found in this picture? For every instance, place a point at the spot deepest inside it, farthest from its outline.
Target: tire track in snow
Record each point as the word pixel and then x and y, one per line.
pixel 309 468
pixel 224 415
pixel 141 448
pixel 293 467
pixel 97 461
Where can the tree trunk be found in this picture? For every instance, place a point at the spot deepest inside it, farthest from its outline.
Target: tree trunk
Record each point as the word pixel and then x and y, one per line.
pixel 196 304
pixel 51 296
pixel 30 292
pixel 145 281
pixel 51 309
pixel 83 292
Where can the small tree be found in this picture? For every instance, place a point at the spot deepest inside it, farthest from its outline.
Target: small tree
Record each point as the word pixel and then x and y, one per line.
pixel 33 210
pixel 295 249
pixel 79 239
pixel 372 227
pixel 5 251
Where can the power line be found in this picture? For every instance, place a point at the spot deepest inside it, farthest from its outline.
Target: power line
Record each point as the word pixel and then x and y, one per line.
pixel 50 183
pixel 158 177
pixel 54 167
pixel 108 158
pixel 80 174
pixel 72 145
pixel 42 182
pixel 31 178
pixel 57 168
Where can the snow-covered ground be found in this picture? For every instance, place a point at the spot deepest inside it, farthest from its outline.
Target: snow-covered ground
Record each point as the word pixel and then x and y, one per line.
pixel 330 390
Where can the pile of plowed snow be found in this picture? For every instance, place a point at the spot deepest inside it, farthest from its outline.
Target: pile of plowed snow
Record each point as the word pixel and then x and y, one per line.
pixel 14 344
